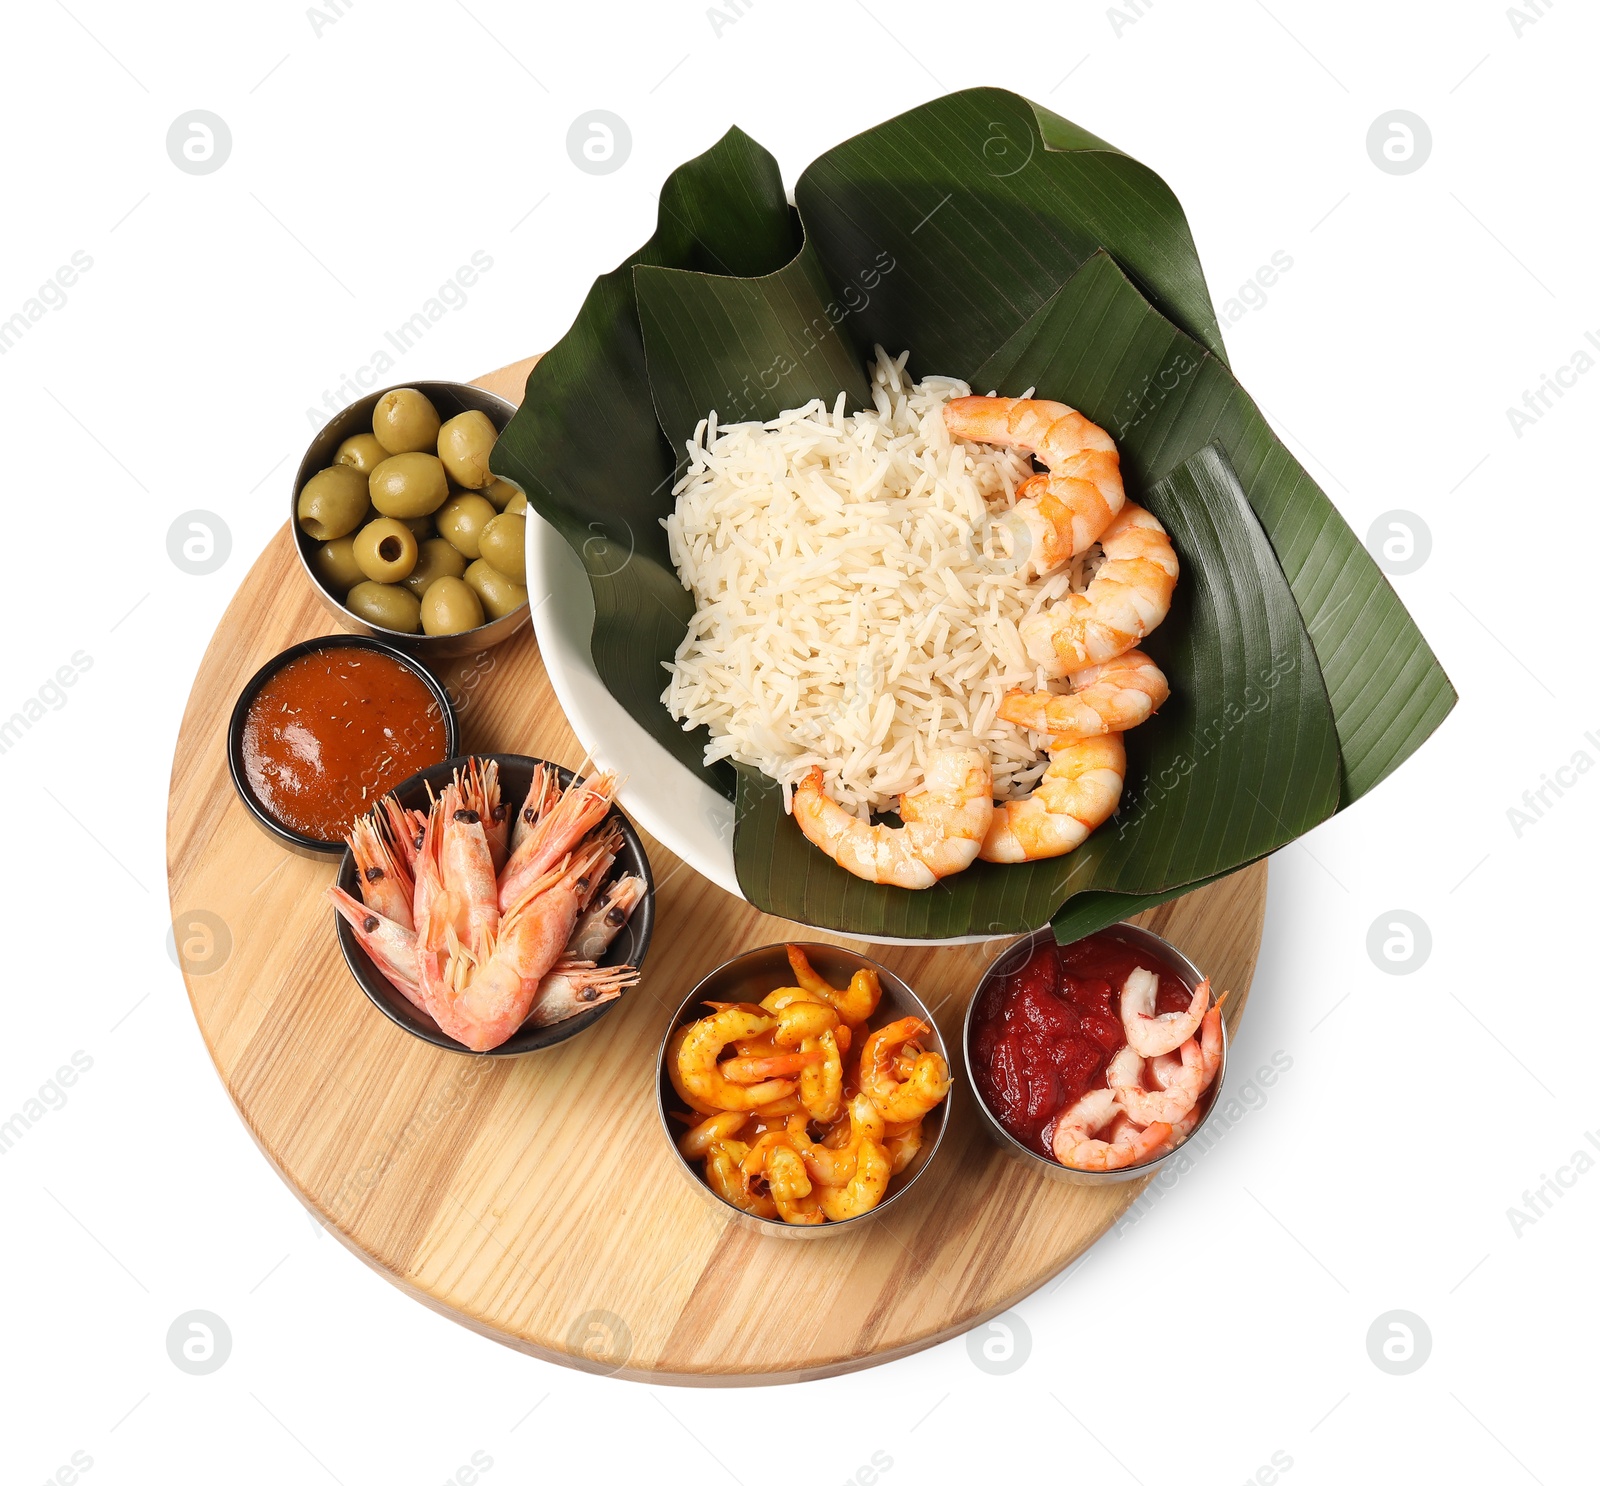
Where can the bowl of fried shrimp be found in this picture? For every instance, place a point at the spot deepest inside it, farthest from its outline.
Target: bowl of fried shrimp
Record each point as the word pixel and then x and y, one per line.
pixel 803 1088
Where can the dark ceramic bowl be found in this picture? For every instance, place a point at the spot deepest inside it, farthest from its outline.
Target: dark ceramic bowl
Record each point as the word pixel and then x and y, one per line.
pixel 1012 959
pixel 296 841
pixel 749 977
pixel 628 948
pixel 449 398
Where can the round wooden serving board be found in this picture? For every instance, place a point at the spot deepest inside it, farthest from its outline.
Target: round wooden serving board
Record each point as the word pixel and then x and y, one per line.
pixel 535 1199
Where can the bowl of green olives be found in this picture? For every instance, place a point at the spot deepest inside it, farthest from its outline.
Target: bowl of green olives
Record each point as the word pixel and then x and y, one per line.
pixel 402 528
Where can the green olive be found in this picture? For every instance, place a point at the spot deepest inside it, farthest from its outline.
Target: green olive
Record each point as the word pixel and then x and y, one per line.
pixel 461 521
pixel 449 607
pixel 464 445
pixel 500 595
pixel 404 422
pixel 385 606
pixel 500 494
pixel 385 550
pixel 361 452
pixel 335 564
pixel 421 527
pixel 436 558
pixel 517 505
pixel 333 503
pixel 408 485
pixel 502 544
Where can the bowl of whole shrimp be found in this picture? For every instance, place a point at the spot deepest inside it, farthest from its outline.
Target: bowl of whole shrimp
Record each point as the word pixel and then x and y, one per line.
pixel 495 904
pixel 1094 1062
pixel 803 1088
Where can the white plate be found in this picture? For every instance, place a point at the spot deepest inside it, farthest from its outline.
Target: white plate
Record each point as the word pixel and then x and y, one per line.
pixel 675 806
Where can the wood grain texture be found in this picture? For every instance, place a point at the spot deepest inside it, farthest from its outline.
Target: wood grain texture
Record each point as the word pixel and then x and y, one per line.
pixel 478 1186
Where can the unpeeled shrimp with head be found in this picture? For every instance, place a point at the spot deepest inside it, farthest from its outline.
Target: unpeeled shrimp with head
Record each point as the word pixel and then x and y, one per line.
pixel 1127 598
pixel 945 823
pixel 1066 510
pixel 1109 698
pixel 382 871
pixel 480 992
pixel 1080 788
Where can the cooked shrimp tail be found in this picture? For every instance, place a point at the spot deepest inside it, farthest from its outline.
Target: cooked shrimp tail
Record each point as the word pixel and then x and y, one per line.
pixel 1127 598
pixel 1150 1035
pixel 945 822
pixel 1079 790
pixel 1066 510
pixel 1109 698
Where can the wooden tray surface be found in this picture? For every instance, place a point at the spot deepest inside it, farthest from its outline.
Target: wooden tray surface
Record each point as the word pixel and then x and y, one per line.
pixel 535 1199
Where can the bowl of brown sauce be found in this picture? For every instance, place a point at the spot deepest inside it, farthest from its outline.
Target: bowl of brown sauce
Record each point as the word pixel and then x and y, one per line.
pixel 325 729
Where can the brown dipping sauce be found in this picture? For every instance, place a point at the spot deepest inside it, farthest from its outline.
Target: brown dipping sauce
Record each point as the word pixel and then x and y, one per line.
pixel 332 732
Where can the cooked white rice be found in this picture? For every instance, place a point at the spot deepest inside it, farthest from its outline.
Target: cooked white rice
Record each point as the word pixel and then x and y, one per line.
pixel 856 594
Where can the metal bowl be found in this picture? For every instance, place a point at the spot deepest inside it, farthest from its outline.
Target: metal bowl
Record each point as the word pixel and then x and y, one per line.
pixel 749 977
pixel 1012 959
pixel 449 398
pixel 297 841
pixel 628 948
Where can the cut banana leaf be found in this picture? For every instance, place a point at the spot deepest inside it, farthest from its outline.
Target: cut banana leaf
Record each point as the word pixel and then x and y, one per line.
pixel 585 444
pixel 1102 347
pixel 984 203
pixel 1002 244
pixel 1242 760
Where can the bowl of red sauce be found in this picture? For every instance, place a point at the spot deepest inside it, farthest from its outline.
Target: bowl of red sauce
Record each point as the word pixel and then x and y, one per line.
pixel 1044 1027
pixel 325 729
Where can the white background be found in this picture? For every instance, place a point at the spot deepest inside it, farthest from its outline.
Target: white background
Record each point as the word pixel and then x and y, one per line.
pixel 369 161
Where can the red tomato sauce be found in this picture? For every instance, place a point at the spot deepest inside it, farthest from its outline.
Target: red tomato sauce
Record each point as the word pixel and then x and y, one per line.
pixel 335 730
pixel 1043 1035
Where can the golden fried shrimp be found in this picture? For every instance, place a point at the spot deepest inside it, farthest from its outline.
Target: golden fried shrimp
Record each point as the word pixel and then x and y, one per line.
pixel 1080 788
pixel 674 1047
pixel 726 1176
pixel 1126 599
pixel 909 1098
pixel 903 1141
pixel 801 1020
pixel 864 1191
pixel 697 1060
pixel 774 1065
pixel 822 1080
pixel 774 1158
pixel 854 1004
pixel 697 1140
pixel 944 825
pixel 1109 698
pixel 1065 511
pixel 827 1166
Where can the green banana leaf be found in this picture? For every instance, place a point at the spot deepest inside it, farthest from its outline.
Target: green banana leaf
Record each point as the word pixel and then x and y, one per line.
pixel 1011 248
